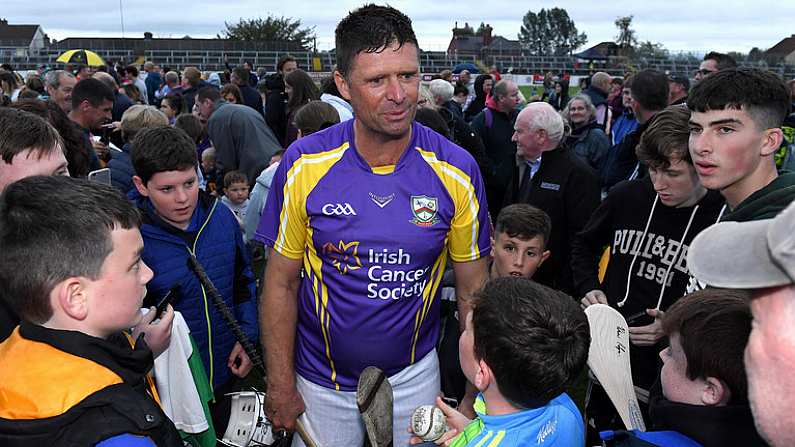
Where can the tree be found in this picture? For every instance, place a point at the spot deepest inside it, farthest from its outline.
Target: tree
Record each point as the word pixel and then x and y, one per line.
pixel 273 29
pixel 626 38
pixel 651 50
pixel 550 32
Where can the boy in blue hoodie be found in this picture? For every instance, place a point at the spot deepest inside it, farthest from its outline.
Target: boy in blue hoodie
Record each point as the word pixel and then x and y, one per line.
pixel 180 220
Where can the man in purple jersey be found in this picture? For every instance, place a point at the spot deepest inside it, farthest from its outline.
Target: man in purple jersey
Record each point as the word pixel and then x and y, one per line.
pixel 370 209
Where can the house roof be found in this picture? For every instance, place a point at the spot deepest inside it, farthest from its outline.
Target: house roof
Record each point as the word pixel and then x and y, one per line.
pixel 784 48
pixel 501 43
pixel 599 51
pixel 16 35
pixel 469 44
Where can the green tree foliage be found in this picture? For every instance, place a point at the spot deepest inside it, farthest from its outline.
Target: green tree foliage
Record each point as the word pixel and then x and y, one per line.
pixel 279 29
pixel 626 38
pixel 651 50
pixel 550 32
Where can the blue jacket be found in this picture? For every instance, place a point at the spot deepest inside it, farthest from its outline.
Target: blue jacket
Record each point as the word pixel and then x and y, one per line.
pixel 215 238
pixel 121 169
pixel 625 124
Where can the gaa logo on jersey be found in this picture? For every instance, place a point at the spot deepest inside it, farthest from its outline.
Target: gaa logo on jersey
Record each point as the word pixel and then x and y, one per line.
pixel 424 209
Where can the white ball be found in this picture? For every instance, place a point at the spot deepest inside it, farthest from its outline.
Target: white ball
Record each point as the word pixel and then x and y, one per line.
pixel 428 422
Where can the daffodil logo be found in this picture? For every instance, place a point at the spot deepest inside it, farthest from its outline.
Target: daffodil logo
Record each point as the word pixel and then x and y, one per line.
pixel 343 256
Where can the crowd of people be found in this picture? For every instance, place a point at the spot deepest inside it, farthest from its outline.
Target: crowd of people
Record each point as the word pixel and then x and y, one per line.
pixel 449 233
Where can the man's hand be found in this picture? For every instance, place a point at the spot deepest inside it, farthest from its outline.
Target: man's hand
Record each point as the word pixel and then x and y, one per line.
pixel 100 148
pixel 238 362
pixel 456 422
pixel 595 296
pixel 648 335
pixel 157 334
pixel 283 406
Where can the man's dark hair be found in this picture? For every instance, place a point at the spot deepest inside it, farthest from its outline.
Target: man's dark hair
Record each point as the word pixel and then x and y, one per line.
pixel 723 61
pixel 523 221
pixel 666 138
pixel 131 70
pixel 650 89
pixel 192 126
pixel 370 29
pixel 459 88
pixel 234 177
pixel 759 92
pixel 20 131
pixel 208 92
pixel 535 339
pixel 161 149
pixel 283 61
pixel 91 90
pixel 242 74
pixel 713 327
pixel 55 243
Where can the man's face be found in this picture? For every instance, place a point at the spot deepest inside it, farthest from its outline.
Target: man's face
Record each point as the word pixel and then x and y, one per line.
pixel 289 67
pixel 460 98
pixel 677 185
pixel 769 362
pixel 705 69
pixel 726 147
pixel 383 89
pixel 487 86
pixel 27 164
pixel 509 102
pixel 464 77
pixel 515 256
pixel 174 195
pixel 96 116
pixel 117 295
pixel 626 97
pixel 528 141
pixel 63 94
pixel 676 386
pixel 237 192
pixel 206 108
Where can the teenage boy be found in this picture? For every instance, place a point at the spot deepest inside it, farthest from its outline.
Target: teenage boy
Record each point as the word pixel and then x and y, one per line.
pixel 236 194
pixel 28 146
pixel 703 392
pixel 524 343
pixel 178 221
pixel 68 375
pixel 735 131
pixel 647 225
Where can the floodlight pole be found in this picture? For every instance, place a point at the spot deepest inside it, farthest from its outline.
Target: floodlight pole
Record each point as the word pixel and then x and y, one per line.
pixel 121 14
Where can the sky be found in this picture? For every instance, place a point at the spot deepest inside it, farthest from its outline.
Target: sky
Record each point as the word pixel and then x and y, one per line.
pixel 681 26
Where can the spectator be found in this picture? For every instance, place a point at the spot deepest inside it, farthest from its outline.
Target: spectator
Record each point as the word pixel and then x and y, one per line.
pixel 626 122
pixel 678 86
pixel 560 96
pixel 482 87
pixel 92 104
pixel 236 194
pixel 135 119
pixel 152 82
pixel 59 85
pixel 442 92
pixel 131 75
pixel 276 101
pixel 712 63
pixel 331 95
pixel 249 95
pixel 598 90
pixel 301 89
pixel 587 138
pixel 231 94
pixel 171 105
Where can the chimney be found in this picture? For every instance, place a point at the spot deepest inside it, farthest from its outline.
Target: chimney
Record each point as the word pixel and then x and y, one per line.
pixel 487 35
pixel 147 36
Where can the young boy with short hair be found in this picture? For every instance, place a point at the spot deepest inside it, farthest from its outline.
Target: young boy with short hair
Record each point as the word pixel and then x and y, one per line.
pixel 71 268
pixel 524 343
pixel 179 220
pixel 236 194
pixel 518 248
pixel 703 391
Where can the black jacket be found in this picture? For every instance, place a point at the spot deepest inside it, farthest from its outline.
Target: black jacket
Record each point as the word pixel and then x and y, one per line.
pixel 622 160
pixel 619 223
pixel 252 98
pixel 709 426
pixel 568 191
pixel 115 407
pixel 495 129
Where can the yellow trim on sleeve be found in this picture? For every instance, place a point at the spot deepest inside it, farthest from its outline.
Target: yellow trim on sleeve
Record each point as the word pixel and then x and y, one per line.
pixel 428 294
pixel 302 177
pixel 465 227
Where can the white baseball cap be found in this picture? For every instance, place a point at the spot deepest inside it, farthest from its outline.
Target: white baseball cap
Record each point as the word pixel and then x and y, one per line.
pixel 746 255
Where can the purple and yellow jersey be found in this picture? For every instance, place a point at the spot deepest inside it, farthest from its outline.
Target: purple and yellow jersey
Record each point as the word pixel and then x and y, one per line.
pixel 374 242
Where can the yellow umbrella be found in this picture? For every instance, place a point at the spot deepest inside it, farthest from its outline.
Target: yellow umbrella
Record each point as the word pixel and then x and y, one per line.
pixel 81 57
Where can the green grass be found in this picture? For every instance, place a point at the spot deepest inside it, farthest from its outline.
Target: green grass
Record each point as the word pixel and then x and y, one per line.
pixel 529 91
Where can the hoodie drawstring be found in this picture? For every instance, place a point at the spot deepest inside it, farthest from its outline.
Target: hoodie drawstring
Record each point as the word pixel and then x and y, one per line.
pixel 635 257
pixel 676 256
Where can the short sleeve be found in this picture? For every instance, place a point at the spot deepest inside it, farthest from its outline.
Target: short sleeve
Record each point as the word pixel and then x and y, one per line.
pixel 470 230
